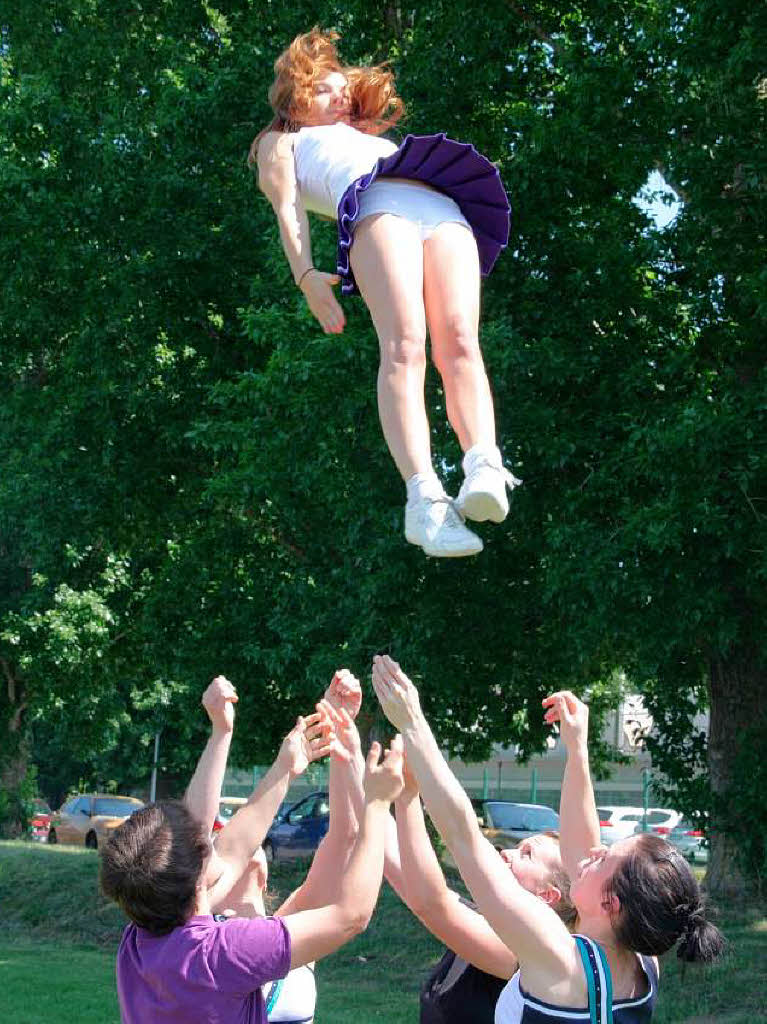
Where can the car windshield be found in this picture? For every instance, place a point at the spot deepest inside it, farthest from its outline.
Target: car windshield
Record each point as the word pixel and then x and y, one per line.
pixel 529 819
pixel 116 808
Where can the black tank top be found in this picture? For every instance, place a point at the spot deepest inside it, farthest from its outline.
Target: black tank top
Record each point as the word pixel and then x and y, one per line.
pixel 457 993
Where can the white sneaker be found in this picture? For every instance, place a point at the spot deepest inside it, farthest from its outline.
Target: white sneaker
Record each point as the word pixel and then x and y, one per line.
pixel 435 525
pixel 483 493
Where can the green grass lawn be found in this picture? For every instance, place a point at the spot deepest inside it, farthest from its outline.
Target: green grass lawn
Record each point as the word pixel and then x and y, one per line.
pixel 58 940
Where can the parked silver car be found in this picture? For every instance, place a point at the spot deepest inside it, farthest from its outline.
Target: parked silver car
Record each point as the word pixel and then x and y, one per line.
pixel 506 824
pixel 620 822
pixel 690 841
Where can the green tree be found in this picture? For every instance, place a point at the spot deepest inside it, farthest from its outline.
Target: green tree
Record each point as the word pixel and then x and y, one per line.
pixel 193 478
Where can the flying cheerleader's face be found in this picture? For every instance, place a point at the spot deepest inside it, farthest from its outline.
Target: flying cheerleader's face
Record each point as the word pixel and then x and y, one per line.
pixel 331 102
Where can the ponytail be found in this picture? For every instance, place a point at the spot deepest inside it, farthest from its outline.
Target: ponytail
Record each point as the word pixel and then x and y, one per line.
pixel 661 904
pixel 701 940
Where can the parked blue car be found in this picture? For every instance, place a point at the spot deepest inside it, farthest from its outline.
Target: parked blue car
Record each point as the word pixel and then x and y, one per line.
pixel 297 831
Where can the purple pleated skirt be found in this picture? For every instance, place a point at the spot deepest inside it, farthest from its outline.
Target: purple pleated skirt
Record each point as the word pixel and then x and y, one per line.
pixel 455 168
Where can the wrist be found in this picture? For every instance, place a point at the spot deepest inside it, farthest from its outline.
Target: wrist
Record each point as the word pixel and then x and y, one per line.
pixel 301 277
pixel 578 751
pixel 378 804
pixel 413 728
pixel 408 795
pixel 283 765
pixel 221 729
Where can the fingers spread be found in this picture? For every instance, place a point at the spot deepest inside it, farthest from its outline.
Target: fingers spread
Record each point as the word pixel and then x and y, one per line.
pixel 321 747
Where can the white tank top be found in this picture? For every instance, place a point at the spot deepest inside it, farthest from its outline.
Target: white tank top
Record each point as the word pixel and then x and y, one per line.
pixel 508 1009
pixel 291 1000
pixel 329 158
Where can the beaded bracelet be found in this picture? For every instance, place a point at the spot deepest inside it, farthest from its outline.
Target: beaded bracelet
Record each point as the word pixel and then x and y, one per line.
pixel 304 275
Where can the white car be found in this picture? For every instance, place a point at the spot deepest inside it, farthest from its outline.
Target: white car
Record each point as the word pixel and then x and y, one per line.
pixel 619 822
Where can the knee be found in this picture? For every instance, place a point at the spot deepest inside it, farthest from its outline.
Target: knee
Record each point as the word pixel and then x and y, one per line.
pixel 404 351
pixel 459 343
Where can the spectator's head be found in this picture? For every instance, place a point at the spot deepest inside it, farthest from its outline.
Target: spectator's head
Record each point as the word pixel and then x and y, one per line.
pixel 154 865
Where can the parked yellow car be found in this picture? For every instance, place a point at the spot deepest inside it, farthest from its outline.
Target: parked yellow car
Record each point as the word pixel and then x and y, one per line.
pixel 89 818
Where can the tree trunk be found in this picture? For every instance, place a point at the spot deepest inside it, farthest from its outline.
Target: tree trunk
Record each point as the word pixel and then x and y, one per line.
pixel 737 750
pixel 14 752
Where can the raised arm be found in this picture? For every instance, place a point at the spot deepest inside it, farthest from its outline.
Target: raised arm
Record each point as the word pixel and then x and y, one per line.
pixel 427 894
pixel 277 180
pixel 321 884
pixel 204 791
pixel 526 925
pixel 310 739
pixel 316 933
pixel 579 821
pixel 342 702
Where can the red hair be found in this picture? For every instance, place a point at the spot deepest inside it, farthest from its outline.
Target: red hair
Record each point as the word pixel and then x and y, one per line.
pixel 312 56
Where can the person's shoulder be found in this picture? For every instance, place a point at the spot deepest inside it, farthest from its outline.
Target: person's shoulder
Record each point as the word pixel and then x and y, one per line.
pixel 251 929
pixel 244 952
pixel 275 146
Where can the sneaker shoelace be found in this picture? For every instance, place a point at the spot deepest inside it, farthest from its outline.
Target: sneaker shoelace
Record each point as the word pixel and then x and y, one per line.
pixel 484 461
pixel 450 502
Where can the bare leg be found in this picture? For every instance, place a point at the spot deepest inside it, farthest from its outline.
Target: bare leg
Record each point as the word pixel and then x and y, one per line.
pixel 387 259
pixel 451 295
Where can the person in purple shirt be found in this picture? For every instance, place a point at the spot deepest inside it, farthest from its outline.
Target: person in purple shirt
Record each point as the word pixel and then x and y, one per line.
pixel 176 962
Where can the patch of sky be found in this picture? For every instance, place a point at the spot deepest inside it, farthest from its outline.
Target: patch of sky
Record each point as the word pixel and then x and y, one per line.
pixel 658 201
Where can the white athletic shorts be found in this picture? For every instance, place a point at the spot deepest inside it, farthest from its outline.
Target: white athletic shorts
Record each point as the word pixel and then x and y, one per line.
pixel 422 205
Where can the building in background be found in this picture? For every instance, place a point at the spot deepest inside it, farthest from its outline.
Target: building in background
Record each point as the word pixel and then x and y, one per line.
pixel 538 780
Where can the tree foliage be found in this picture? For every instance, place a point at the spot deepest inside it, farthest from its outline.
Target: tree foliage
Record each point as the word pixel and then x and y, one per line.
pixel 193 478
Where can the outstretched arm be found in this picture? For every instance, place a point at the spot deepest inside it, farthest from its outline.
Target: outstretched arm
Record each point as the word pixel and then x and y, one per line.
pixel 316 933
pixel 346 733
pixel 204 791
pixel 438 908
pixel 311 738
pixel 322 883
pixel 579 821
pixel 341 703
pixel 277 180
pixel 525 924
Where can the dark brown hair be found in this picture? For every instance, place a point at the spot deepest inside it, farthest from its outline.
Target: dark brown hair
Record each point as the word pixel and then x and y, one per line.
pixel 661 903
pixel 151 865
pixel 311 57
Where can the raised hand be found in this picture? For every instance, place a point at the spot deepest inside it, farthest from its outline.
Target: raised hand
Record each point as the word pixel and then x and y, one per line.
pixel 310 739
pixel 345 692
pixel 318 292
pixel 572 715
pixel 383 779
pixel 410 784
pixel 396 694
pixel 346 742
pixel 219 700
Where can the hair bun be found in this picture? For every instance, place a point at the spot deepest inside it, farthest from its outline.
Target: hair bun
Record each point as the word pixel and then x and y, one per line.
pixel 701 940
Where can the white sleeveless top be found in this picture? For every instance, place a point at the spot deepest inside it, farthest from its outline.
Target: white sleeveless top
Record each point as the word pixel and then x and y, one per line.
pixel 329 158
pixel 511 1003
pixel 295 998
